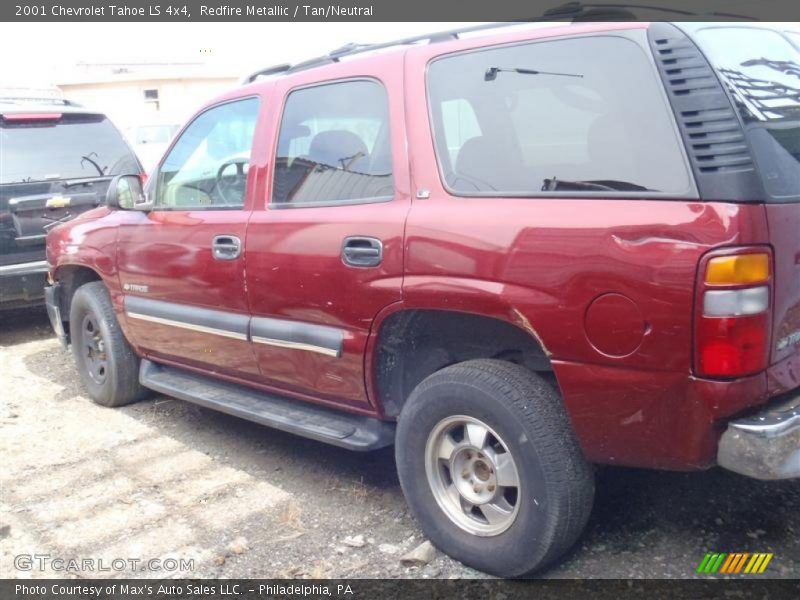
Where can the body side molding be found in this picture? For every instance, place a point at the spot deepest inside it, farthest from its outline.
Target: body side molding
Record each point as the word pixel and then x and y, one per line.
pixel 203 320
pixel 300 336
pixel 279 333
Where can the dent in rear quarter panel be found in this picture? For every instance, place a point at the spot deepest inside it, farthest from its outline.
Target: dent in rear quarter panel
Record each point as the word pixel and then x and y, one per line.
pixel 626 268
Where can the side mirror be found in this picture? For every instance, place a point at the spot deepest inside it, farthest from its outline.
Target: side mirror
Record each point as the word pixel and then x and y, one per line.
pixel 125 192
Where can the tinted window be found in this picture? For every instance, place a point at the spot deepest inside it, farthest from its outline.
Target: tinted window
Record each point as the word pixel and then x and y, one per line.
pixel 75 146
pixel 334 145
pixel 207 166
pixel 570 115
pixel 761 69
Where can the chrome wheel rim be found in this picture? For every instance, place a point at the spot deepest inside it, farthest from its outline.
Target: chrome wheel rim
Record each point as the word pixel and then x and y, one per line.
pixel 472 475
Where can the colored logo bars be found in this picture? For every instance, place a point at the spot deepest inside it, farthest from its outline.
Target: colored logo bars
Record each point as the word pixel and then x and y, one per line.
pixel 734 563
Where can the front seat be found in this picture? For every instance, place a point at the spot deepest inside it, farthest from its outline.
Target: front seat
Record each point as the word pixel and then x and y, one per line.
pixel 339 149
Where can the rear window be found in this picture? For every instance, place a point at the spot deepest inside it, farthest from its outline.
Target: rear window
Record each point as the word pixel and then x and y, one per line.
pixel 75 146
pixel 761 70
pixel 579 115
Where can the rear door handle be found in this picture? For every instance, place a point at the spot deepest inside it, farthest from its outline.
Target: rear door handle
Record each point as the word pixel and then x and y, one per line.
pixel 226 247
pixel 360 251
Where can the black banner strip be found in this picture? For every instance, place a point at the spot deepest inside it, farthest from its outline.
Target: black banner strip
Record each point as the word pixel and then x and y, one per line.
pixel 394 10
pixel 408 589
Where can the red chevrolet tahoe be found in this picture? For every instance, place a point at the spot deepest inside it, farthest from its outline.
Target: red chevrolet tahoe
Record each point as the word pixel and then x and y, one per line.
pixel 511 255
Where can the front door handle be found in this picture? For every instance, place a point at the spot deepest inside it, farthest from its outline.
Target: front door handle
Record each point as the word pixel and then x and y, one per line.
pixel 226 247
pixel 360 251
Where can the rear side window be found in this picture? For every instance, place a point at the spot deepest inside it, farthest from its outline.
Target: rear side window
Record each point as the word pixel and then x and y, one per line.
pixel 74 146
pixel 578 115
pixel 334 146
pixel 761 70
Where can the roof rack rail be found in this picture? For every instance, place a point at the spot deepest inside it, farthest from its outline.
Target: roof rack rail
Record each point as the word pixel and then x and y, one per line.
pixel 612 11
pixel 569 11
pixel 273 70
pixel 431 38
pixel 355 48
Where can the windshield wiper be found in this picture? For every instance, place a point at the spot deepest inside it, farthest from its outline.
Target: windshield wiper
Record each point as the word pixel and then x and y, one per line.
pixel 88 159
pixel 491 73
pixel 601 185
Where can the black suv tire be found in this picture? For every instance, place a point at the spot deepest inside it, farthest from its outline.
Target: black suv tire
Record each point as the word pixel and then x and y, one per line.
pixel 455 437
pixel 107 364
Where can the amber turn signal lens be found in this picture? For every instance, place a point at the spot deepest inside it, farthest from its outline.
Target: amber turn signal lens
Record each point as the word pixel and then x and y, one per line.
pixel 738 270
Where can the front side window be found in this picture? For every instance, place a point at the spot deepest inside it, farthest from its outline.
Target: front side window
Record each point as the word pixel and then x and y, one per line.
pixel 334 146
pixel 207 166
pixel 578 115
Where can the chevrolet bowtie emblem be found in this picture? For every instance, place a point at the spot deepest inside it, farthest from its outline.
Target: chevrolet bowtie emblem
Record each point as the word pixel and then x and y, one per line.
pixel 57 202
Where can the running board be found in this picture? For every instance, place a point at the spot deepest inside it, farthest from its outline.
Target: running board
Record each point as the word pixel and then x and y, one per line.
pixel 293 416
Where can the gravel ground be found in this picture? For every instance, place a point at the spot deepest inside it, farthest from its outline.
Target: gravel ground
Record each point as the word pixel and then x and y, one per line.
pixel 164 478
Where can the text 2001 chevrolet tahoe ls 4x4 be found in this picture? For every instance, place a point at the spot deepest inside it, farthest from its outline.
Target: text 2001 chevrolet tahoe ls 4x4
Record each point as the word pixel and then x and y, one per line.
pixel 512 256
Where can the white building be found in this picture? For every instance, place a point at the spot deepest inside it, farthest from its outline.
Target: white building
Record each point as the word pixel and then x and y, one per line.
pixel 145 93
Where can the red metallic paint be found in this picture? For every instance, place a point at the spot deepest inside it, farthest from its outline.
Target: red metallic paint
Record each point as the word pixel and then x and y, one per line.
pixel 783 221
pixel 170 253
pixel 537 263
pixel 293 256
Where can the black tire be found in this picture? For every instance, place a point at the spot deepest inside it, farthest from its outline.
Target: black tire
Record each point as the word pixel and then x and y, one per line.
pixel 556 484
pixel 108 367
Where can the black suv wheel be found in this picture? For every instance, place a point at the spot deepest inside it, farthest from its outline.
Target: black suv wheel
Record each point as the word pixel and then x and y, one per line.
pixel 491 469
pixel 107 365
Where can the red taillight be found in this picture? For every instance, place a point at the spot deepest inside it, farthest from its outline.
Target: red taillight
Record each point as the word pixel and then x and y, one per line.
pixel 32 117
pixel 732 346
pixel 732 327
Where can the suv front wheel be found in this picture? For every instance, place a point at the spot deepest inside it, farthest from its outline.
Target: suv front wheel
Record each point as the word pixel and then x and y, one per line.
pixel 107 364
pixel 491 468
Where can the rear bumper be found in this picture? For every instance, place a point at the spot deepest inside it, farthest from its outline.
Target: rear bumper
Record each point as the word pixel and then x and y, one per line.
pixel 52 300
pixel 22 284
pixel 765 445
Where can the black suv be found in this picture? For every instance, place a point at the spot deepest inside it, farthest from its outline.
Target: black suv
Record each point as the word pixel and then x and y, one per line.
pixel 56 159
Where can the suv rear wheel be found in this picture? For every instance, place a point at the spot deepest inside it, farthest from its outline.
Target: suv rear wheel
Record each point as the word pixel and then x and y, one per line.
pixel 107 364
pixel 491 468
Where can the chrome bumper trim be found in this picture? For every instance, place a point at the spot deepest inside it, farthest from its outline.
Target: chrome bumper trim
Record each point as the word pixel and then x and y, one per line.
pixel 765 445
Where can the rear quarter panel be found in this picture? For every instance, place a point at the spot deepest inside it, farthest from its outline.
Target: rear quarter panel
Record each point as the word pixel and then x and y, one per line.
pixel 606 285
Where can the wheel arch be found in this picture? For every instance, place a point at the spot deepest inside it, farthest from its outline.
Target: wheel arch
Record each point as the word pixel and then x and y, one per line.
pixel 70 277
pixel 409 344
